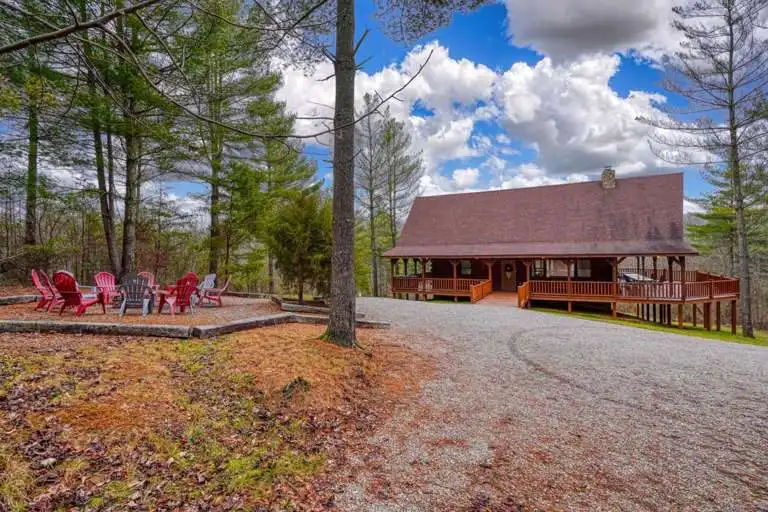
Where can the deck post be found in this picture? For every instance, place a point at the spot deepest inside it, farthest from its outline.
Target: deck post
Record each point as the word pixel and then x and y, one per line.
pixel 708 316
pixel 694 310
pixel 717 315
pixel 733 317
pixel 669 314
pixel 680 313
pixel 527 264
pixel 455 264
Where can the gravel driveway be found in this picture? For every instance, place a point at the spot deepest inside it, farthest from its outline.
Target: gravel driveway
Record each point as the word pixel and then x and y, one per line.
pixel 535 411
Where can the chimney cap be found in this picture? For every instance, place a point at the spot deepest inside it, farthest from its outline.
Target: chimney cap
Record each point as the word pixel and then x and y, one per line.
pixel 608 177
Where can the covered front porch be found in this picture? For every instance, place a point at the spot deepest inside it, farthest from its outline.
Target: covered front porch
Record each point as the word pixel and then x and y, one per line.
pixel 650 283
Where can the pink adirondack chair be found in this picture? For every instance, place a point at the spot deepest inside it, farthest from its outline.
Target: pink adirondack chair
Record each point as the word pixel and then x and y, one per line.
pixel 213 295
pixel 180 296
pixel 106 284
pixel 57 299
pixel 72 296
pixel 47 295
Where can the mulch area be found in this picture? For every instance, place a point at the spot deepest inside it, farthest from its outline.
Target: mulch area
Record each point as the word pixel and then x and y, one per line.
pixel 234 308
pixel 259 420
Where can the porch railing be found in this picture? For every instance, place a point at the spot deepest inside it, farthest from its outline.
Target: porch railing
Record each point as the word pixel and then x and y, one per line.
pixel 523 292
pixel 475 289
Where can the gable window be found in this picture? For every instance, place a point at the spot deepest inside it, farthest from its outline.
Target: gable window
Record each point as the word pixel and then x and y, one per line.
pixel 466 268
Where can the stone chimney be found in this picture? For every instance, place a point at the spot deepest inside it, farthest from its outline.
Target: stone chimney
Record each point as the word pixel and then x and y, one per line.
pixel 608 178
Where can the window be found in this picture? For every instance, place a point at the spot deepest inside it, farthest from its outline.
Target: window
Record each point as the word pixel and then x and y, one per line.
pixel 584 268
pixel 466 268
pixel 557 268
pixel 538 269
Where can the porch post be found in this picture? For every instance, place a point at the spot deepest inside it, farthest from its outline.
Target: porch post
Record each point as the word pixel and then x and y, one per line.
pixel 680 315
pixel 733 317
pixel 615 287
pixel 406 274
pixel 422 262
pixel 570 286
pixel 455 264
pixel 694 310
pixel 681 261
pixel 527 264
pixel 489 264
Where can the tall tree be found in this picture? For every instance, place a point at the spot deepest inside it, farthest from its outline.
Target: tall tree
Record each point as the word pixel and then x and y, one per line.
pixel 370 180
pixel 721 71
pixel 403 169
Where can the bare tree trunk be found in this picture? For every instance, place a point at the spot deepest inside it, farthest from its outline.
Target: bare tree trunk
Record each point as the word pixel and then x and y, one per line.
pixel 30 219
pixel 374 250
pixel 271 273
pixel 131 196
pixel 111 175
pixel 215 228
pixel 341 324
pixel 738 197
pixel 106 214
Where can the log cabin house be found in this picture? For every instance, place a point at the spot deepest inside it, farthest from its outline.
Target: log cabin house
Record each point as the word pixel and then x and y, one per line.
pixel 609 242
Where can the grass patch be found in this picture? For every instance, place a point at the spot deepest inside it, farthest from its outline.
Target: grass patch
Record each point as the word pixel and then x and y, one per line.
pixel 16 480
pixel 760 339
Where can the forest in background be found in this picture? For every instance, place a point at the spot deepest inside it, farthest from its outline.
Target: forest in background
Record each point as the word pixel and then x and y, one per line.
pixel 90 142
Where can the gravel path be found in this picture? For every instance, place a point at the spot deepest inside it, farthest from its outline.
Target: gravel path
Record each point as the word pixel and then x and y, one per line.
pixel 536 411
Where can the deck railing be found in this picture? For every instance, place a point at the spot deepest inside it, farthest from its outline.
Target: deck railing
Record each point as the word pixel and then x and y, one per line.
pixel 640 292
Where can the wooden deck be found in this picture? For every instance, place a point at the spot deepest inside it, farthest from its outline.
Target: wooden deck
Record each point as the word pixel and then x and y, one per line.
pixel 661 288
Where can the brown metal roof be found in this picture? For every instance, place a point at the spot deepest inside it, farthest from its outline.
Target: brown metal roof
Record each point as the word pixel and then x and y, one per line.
pixel 641 216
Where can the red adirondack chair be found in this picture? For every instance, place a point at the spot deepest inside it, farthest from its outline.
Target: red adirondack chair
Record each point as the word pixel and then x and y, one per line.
pixel 106 284
pixel 72 296
pixel 213 295
pixel 180 296
pixel 57 299
pixel 48 295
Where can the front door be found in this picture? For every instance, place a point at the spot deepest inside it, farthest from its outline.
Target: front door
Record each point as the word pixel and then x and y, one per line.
pixel 508 276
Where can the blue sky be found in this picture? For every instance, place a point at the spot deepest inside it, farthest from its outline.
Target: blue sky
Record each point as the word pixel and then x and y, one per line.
pixel 520 93
pixel 517 93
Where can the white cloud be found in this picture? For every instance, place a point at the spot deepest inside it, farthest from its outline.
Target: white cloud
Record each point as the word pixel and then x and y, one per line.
pixel 466 178
pixel 573 118
pixel 450 88
pixel 691 207
pixel 567 29
pixel 567 112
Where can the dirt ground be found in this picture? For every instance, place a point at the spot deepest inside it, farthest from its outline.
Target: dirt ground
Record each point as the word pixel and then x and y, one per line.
pixel 259 420
pixel 234 308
